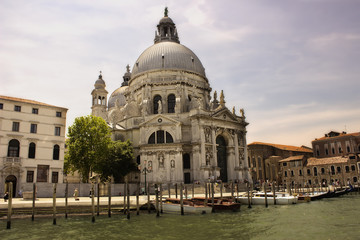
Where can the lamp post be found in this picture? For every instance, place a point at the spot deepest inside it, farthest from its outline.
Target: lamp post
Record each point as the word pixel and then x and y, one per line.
pixel 145 171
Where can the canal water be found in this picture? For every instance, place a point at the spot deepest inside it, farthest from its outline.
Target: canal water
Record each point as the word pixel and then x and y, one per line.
pixel 336 218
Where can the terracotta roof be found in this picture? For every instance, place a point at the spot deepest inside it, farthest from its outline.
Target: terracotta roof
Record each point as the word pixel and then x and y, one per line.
pixel 27 101
pixel 293 158
pixel 284 147
pixel 325 161
pixel 356 134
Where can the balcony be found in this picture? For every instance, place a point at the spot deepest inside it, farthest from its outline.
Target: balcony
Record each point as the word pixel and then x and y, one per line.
pixel 12 161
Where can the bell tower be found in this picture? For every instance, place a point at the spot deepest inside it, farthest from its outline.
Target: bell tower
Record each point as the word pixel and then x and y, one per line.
pixel 99 98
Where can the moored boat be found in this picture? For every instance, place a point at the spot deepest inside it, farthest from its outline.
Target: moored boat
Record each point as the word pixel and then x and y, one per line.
pixel 220 204
pixel 172 205
pixel 258 198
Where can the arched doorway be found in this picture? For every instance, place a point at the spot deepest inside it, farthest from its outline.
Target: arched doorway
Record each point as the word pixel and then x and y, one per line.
pixel 222 158
pixel 8 179
pixel 186 168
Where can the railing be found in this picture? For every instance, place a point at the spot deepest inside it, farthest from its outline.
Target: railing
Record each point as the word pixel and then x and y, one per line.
pixel 15 160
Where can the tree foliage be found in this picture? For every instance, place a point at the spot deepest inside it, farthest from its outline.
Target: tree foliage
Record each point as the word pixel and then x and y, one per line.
pixel 90 149
pixel 119 161
pixel 87 145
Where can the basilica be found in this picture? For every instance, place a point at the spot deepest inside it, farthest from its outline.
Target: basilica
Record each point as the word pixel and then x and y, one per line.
pixel 179 132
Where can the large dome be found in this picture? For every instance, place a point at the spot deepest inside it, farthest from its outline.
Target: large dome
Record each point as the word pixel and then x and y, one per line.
pixel 168 56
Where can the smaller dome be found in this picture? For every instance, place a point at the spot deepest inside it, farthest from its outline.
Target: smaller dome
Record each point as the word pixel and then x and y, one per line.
pixel 166 20
pixel 100 83
pixel 117 97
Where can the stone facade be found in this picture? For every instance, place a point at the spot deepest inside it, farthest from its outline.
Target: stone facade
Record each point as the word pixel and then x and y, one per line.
pixel 164 107
pixel 264 159
pixel 32 141
pixel 337 144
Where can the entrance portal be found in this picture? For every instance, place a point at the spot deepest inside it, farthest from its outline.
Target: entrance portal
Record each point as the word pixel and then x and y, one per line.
pixel 222 158
pixel 8 179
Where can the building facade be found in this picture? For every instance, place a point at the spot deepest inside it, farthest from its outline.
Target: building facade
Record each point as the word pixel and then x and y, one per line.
pixel 179 133
pixel 264 159
pixel 32 141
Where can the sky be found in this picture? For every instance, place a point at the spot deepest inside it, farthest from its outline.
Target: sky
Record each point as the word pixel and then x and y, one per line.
pixel 294 66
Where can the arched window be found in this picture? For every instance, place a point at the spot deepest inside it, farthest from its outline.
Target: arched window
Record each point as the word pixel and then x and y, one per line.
pixel 186 161
pixel 347 169
pixel 332 170
pixel 338 169
pixel 315 171
pixel 322 170
pixel 171 103
pixel 157 98
pixel 14 148
pixel 32 149
pixel 160 136
pixel 352 167
pixel 56 152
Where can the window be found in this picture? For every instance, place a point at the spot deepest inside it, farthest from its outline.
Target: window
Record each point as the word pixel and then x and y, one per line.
pixel 17 108
pixel 13 148
pixel 300 172
pixel 348 149
pixel 58 114
pixel 32 150
pixel 333 150
pixel 332 170
pixel 138 160
pixel 284 164
pixel 292 173
pixel 16 126
pixel 308 171
pixel 285 173
pixel 157 100
pixel 171 103
pixel 42 173
pixel 327 151
pixel 338 169
pixel 56 152
pixel 30 176
pixel 315 171
pixel 1 105
pixel 322 170
pixel 353 168
pixel 57 131
pixel 55 177
pixel 347 169
pixel 33 128
pixel 35 111
pixel 160 136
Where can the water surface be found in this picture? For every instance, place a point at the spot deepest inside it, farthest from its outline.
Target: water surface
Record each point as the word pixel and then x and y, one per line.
pixel 336 218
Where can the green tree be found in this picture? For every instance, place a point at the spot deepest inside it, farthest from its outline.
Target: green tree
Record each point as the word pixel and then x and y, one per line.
pixel 120 161
pixel 87 146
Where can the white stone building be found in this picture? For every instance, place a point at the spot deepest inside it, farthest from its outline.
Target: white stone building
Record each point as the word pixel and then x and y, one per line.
pixel 32 142
pixel 164 107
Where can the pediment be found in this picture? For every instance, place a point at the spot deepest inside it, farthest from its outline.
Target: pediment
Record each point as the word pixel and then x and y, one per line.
pixel 160 119
pixel 224 114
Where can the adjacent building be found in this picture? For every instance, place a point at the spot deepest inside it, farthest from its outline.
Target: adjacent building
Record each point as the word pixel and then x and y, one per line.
pixel 336 161
pixel 265 158
pixel 179 132
pixel 32 141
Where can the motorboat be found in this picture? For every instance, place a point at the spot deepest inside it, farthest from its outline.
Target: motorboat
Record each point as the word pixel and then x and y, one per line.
pixel 172 205
pixel 258 198
pixel 220 204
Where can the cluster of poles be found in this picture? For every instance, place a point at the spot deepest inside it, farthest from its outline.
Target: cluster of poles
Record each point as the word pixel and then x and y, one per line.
pixel 181 190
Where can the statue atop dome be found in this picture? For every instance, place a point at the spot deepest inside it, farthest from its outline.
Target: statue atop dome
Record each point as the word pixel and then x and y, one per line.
pixel 166 11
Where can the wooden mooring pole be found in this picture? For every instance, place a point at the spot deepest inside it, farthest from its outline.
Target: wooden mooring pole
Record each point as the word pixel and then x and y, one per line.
pixel 66 198
pixel 169 189
pixel 98 199
pixel 10 192
pixel 181 199
pixel 54 204
pixel 273 190
pixel 206 195
pixel 248 194
pixel 176 190
pixel 137 199
pixel 193 190
pixel 148 197
pixel 124 202
pixel 161 198
pixel 92 203
pixel 212 196
pixel 157 201
pixel 221 190
pixel 128 197
pixel 33 202
pixel 109 199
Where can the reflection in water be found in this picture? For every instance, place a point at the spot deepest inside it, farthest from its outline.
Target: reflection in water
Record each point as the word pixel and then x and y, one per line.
pixel 325 219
